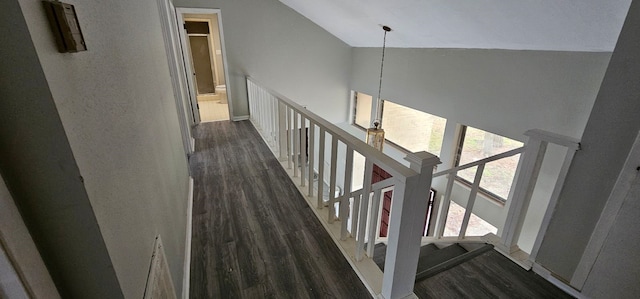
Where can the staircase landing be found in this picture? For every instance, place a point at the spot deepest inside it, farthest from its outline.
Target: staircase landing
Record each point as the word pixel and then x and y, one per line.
pixel 489 275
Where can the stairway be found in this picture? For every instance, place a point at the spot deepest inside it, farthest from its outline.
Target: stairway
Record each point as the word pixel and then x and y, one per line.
pixel 433 259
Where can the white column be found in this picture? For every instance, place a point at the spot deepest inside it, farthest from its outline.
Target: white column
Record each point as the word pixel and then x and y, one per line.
pixel 518 202
pixel 409 206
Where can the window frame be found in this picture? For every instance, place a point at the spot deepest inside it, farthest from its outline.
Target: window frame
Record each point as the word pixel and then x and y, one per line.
pixel 386 140
pixel 466 183
pixel 355 112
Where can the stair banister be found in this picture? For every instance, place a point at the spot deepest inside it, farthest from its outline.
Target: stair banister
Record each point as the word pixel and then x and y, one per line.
pixel 475 187
pixel 525 181
pixel 509 153
pixel 410 184
pixel 405 230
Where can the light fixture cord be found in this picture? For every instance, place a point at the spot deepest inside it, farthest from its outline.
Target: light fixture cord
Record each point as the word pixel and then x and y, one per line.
pixel 379 101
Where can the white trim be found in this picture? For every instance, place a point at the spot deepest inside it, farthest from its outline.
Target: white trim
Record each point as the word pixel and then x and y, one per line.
pixel 186 277
pixel 184 10
pixel 547 275
pixel 187 62
pixel 159 280
pixel 21 249
pixel 352 108
pixel 225 64
pixel 165 8
pixel 608 216
pixel 239 118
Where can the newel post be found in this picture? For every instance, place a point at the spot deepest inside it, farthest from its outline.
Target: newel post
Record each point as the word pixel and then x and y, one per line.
pixel 408 208
pixel 522 190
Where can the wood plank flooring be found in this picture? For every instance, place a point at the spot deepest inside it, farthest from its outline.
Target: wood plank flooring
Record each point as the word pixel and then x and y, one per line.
pixel 255 237
pixel 490 275
pixel 253 234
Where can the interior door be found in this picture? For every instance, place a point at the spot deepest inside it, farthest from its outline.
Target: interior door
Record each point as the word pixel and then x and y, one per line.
pixel 380 175
pixel 201 56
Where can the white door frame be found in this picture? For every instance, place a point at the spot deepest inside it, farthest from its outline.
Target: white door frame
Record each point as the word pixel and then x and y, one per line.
pixel 186 114
pixel 180 11
pixel 186 62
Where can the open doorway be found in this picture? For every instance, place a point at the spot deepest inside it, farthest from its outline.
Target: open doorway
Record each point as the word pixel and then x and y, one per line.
pixel 203 51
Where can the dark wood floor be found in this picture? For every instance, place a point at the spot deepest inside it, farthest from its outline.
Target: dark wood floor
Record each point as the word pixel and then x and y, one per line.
pixel 490 275
pixel 253 234
pixel 255 237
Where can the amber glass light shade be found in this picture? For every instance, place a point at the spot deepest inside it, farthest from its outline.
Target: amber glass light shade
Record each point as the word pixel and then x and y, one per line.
pixel 375 137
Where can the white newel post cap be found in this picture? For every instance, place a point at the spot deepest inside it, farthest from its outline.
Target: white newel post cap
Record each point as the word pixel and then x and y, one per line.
pixel 422 160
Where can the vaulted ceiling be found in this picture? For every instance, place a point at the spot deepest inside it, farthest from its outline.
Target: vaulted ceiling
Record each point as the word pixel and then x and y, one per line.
pixel 567 25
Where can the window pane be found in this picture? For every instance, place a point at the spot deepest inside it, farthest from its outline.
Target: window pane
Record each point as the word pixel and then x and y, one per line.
pixel 498 175
pixel 476 227
pixel 363 110
pixel 412 129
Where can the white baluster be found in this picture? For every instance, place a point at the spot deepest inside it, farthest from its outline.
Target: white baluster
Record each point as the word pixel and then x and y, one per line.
pixel 282 130
pixel 355 214
pixel 364 206
pixel 312 141
pixel 373 221
pixel 303 150
pixel 296 144
pixel 332 178
pixel 321 150
pixel 289 137
pixel 344 201
pixel 443 211
pixel 471 202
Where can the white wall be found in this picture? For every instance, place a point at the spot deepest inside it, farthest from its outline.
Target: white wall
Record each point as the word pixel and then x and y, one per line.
pixel 284 51
pixel 617 268
pixel 607 140
pixel 501 91
pixel 118 111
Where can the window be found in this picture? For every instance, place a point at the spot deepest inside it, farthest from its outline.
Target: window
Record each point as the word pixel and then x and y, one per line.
pixel 407 128
pixel 362 113
pixel 476 144
pixel 412 129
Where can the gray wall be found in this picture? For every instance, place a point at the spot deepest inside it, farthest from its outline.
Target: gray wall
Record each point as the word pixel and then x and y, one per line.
pixel 285 51
pixel 615 272
pixel 106 115
pixel 502 91
pixel 41 173
pixel 607 140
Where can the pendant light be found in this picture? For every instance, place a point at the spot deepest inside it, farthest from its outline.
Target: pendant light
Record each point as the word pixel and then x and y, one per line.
pixel 375 134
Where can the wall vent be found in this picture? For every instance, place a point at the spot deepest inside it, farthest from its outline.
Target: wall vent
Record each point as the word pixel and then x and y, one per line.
pixel 159 282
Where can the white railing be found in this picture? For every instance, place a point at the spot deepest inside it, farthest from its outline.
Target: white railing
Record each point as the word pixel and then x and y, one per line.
pixel 444 205
pixel 353 219
pixel 286 127
pixel 524 183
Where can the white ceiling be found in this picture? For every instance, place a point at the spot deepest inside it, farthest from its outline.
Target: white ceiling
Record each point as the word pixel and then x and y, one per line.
pixel 563 25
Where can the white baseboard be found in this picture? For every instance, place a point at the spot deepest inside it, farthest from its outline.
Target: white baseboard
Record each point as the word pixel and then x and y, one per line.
pixel 546 274
pixel 241 117
pixel 186 276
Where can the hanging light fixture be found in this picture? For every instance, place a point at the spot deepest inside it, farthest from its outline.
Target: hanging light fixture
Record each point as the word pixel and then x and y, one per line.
pixel 375 135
